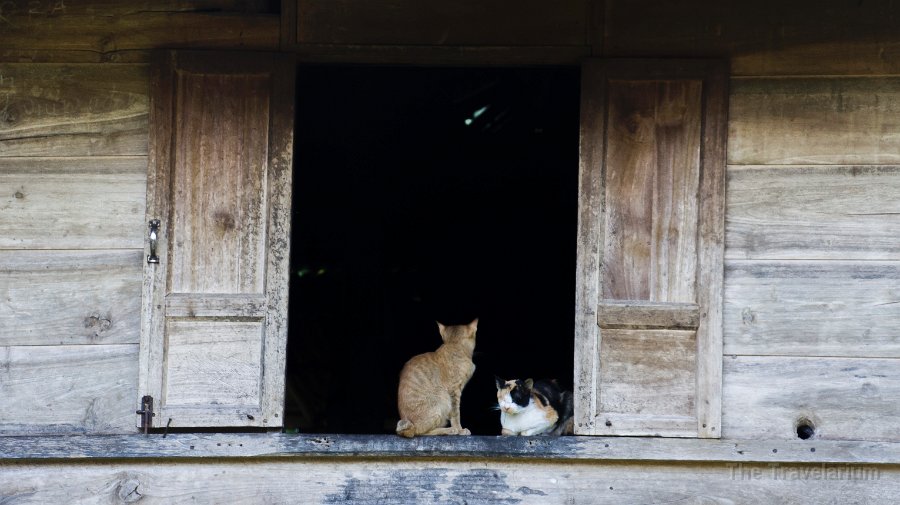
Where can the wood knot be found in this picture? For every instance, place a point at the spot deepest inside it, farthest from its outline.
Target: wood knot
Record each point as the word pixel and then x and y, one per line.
pixel 98 324
pixel 224 220
pixel 128 490
pixel 19 195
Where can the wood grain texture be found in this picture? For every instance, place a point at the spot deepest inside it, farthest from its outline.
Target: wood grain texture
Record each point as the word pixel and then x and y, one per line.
pixel 658 201
pixel 68 389
pixel 812 308
pixel 761 38
pixel 73 110
pixel 320 446
pixel 220 181
pixel 815 120
pixel 69 297
pixel 213 363
pixel 633 314
pixel 633 380
pixel 217 238
pixel 474 482
pixel 433 22
pixel 591 204
pixel 108 26
pixel 652 173
pixel 72 203
pixel 845 398
pixel 819 212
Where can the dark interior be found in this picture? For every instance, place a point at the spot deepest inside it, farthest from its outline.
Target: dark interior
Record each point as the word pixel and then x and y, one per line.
pixel 424 194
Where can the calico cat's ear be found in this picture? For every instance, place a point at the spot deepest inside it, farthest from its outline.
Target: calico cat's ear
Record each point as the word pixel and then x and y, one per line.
pixel 529 384
pixel 500 382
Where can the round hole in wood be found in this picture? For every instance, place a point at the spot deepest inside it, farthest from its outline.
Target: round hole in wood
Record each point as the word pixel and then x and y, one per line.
pixel 805 429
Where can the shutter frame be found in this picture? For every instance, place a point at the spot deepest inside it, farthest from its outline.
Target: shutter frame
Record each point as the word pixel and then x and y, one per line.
pixel 624 318
pixel 262 305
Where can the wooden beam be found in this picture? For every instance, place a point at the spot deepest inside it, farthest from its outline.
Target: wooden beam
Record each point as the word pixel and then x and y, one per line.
pixel 637 314
pixel 478 481
pixel 324 446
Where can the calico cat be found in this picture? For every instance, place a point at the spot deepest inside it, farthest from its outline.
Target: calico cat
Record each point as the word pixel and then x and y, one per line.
pixel 431 385
pixel 534 408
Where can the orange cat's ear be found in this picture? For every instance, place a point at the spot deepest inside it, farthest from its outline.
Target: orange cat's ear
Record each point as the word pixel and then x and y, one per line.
pixel 474 324
pixel 440 327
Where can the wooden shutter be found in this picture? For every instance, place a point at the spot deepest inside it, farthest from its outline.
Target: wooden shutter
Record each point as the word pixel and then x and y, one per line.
pixel 214 318
pixel 650 248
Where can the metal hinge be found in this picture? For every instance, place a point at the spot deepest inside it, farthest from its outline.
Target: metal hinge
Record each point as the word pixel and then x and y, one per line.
pixel 146 413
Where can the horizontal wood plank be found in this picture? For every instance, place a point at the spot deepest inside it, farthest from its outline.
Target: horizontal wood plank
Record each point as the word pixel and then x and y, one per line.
pixel 766 37
pixel 471 482
pixel 73 110
pixel 765 397
pixel 435 22
pixel 70 297
pixel 73 203
pixel 233 306
pixel 68 389
pixel 812 308
pixel 838 212
pixel 816 120
pixel 102 27
pixel 639 314
pixel 584 448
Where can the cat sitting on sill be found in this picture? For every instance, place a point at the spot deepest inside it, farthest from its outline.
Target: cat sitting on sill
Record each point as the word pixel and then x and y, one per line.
pixel 431 385
pixel 534 408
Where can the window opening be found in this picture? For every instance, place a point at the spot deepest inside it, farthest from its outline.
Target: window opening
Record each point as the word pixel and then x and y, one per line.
pixel 425 194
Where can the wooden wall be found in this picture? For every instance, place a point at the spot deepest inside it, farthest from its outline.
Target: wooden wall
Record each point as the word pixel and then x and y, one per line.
pixel 74 86
pixel 813 219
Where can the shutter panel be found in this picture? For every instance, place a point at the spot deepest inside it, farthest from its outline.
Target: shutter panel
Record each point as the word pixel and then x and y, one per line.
pixel 214 318
pixel 650 248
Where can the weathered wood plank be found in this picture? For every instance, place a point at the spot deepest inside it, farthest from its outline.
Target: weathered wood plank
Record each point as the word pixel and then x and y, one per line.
pixel 650 372
pixel 73 110
pixel 435 22
pixel 763 38
pixel 70 297
pixel 824 120
pixel 812 308
pixel 279 445
pixel 101 27
pixel 652 175
pixel 474 482
pixel 820 212
pixel 634 314
pixel 764 397
pixel 68 389
pixel 220 182
pixel 72 203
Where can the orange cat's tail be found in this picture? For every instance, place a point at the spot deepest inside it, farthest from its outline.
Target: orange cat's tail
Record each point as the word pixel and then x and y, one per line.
pixel 406 428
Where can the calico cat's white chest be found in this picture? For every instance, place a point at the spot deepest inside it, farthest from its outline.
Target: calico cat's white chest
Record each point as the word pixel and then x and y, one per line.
pixel 530 420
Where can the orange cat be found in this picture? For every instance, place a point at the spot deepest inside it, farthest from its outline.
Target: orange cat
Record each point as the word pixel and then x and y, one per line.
pixel 431 384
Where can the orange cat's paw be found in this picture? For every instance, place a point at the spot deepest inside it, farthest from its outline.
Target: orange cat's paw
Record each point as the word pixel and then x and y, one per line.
pixel 464 431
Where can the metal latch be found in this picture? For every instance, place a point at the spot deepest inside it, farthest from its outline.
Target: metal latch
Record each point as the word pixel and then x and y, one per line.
pixel 154 240
pixel 146 413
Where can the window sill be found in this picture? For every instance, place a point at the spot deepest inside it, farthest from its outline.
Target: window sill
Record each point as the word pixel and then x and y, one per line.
pixel 277 445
